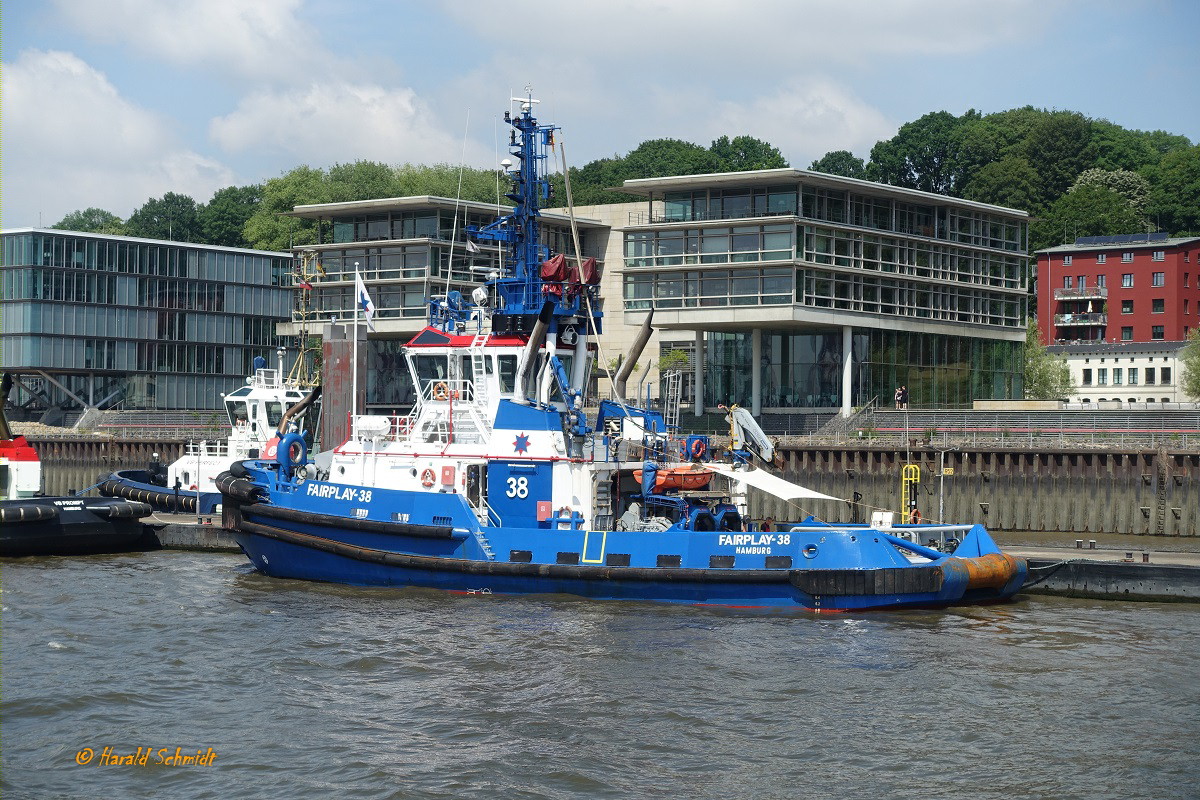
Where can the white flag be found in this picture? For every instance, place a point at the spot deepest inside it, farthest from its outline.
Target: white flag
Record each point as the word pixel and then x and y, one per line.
pixel 363 298
pixel 472 247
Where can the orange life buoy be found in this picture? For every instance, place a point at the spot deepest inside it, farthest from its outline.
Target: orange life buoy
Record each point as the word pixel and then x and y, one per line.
pixel 427 478
pixel 698 448
pixel 441 391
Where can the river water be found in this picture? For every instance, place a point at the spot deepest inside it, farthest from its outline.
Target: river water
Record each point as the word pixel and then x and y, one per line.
pixel 305 690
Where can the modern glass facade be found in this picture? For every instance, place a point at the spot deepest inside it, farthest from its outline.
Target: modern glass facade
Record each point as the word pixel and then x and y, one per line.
pixel 804 370
pixel 408 252
pixel 905 271
pixel 135 323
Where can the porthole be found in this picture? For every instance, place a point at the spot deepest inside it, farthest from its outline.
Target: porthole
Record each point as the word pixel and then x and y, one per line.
pixel 810 551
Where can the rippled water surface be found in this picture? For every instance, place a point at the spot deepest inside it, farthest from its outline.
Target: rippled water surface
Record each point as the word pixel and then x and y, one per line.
pixel 306 690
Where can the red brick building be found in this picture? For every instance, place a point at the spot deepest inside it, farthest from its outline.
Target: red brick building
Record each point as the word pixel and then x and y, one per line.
pixel 1133 288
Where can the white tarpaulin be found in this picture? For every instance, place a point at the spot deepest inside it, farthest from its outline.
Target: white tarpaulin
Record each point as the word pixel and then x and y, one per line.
pixel 761 479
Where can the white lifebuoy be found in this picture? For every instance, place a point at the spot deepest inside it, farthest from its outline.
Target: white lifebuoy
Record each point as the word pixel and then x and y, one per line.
pixel 441 391
pixel 427 478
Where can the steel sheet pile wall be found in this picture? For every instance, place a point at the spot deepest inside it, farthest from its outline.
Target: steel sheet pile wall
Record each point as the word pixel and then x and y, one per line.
pixel 1143 492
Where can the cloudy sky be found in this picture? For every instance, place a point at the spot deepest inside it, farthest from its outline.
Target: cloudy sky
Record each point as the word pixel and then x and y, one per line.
pixel 108 103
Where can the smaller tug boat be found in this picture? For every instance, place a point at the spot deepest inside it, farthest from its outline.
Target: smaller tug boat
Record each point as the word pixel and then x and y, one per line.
pixel 32 524
pixel 497 482
pixel 259 413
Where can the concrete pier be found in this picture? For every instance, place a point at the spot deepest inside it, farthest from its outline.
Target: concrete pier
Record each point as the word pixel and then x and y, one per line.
pixel 183 532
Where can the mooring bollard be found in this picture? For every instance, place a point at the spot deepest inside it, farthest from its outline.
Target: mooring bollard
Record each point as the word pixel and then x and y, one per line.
pixel 1079 544
pixel 1091 544
pixel 1145 558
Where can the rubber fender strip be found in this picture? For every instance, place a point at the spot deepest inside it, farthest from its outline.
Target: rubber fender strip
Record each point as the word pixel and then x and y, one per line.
pixel 27 512
pixel 519 569
pixel 364 525
pixel 237 488
pixel 130 510
pixel 163 499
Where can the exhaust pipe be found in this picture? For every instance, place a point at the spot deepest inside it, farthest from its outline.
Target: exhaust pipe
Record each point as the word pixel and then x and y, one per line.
pixel 635 352
pixel 296 409
pixel 536 338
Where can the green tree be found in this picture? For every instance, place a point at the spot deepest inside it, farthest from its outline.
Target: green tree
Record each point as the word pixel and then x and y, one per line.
pixel 744 153
pixel 1130 185
pixel 223 219
pixel 1189 362
pixel 925 154
pixel 672 359
pixel 1047 377
pixel 1175 198
pixel 91 220
pixel 657 158
pixel 361 180
pixel 442 180
pixel 1057 149
pixel 174 217
pixel 267 229
pixel 1088 210
pixel 840 162
pixel 1008 182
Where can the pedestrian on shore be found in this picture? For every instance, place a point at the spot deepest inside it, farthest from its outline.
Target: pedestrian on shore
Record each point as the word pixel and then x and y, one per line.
pixel 904 397
pixel 768 524
pixel 899 396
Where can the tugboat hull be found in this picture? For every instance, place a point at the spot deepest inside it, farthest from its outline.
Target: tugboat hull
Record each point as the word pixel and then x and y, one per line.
pixel 53 526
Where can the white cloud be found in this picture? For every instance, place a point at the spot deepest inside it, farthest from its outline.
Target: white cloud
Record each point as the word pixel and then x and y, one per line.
pixel 336 122
pixel 72 142
pixel 805 120
pixel 714 37
pixel 260 40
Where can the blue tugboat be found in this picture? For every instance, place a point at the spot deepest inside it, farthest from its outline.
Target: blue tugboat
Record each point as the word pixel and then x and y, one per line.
pixel 496 482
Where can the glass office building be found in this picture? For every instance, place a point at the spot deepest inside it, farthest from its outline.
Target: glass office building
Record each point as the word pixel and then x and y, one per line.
pixel 92 320
pixel 834 291
pixel 408 250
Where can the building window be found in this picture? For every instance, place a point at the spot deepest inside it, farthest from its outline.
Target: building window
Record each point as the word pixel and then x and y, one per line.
pixel 1117 375
pixel 1127 280
pixel 1102 376
pixel 1164 375
pixel 1087 377
pixel 1101 281
pixel 1126 306
pixel 1159 279
pixel 1149 376
pixel 1158 306
pixel 1157 332
pixel 1126 257
pixel 1158 255
pixel 1133 376
pixel 1186 305
pixel 1127 334
pixel 1067 282
pixel 1066 261
pixel 1101 258
pixel 1186 277
pixel 1083 281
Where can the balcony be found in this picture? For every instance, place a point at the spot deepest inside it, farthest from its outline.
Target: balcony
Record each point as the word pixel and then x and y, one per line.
pixel 1087 293
pixel 1066 320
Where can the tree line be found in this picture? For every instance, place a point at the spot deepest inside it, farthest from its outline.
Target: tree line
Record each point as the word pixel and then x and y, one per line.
pixel 1074 175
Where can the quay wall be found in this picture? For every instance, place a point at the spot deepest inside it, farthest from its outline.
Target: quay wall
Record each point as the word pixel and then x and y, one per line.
pixel 1154 492
pixel 112 453
pixel 1120 490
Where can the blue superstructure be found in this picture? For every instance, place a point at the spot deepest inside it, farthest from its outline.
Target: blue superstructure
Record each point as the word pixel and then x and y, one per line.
pixel 497 481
